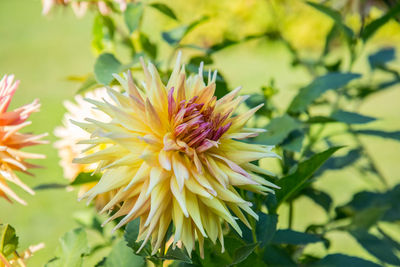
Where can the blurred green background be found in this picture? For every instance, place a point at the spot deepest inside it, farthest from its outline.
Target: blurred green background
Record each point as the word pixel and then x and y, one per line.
pixel 43 51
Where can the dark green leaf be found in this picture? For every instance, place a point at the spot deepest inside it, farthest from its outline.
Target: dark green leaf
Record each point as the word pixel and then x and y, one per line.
pixel 351 117
pixel 242 253
pixel 380 248
pixel 9 240
pixel 131 234
pixel 337 18
pixel 85 177
pixel 149 48
pixel 174 36
pixel 338 259
pixel 381 57
pixel 293 183
pixel 50 186
pixel 277 256
pixel 373 26
pixel 340 162
pixel 266 227
pixel 368 217
pixel 277 130
pixel 320 85
pixel 291 237
pixel 384 134
pixel 166 10
pixel 319 197
pixel 73 246
pixel 294 141
pixel 106 65
pixel 133 15
pixel 177 254
pixel 122 256
pixel 320 119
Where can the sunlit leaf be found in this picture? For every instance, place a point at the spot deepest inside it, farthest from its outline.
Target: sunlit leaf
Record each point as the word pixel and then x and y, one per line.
pixel 123 256
pixel 106 65
pixel 133 15
pixel 73 247
pixel 9 240
pixel 85 177
pixel 278 129
pixel 337 18
pixel 376 24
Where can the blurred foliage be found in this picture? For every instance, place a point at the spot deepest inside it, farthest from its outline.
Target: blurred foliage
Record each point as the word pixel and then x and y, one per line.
pixel 325 38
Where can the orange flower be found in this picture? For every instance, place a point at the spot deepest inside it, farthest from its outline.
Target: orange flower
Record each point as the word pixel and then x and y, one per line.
pixel 11 157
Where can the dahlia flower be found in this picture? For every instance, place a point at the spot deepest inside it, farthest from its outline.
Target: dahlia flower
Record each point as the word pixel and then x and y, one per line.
pixel 174 156
pixel 11 157
pixel 80 7
pixel 69 135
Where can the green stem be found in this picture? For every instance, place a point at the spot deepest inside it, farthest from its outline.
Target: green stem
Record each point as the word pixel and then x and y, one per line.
pixel 290 219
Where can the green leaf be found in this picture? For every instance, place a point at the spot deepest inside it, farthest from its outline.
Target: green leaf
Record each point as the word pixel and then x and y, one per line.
pixel 277 130
pixel 382 57
pixel 50 186
pixel 293 183
pixel 341 162
pixel 351 117
pixel 106 65
pixel 9 240
pixel 287 236
pixel 294 141
pixel 177 254
pixel 330 81
pixel 242 253
pixel 133 16
pixel 123 256
pixel 337 18
pixel 277 256
pixel 73 247
pixel 395 135
pixel 374 25
pixel 367 218
pixel 166 10
pixel 174 36
pixel 149 48
pixel 343 260
pixel 102 33
pixel 266 227
pixel 380 248
pixel 319 197
pixel 131 235
pixel 85 177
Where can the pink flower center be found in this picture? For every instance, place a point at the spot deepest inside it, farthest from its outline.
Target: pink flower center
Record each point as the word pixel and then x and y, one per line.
pixel 196 124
